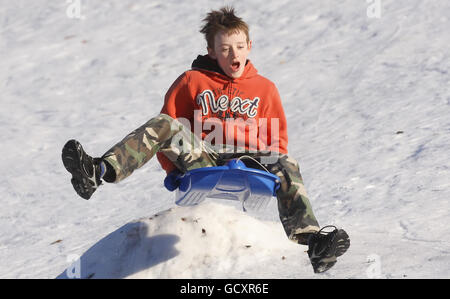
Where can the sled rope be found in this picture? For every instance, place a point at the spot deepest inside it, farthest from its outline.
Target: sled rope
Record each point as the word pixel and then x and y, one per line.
pixel 251 158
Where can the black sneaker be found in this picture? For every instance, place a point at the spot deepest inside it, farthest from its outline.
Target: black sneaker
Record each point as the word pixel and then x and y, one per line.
pixel 85 170
pixel 325 247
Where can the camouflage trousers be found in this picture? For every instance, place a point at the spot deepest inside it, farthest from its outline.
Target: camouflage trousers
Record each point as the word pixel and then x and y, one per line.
pixel 187 151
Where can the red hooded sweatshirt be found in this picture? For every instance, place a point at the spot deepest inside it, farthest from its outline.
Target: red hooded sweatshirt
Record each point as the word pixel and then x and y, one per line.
pixel 244 112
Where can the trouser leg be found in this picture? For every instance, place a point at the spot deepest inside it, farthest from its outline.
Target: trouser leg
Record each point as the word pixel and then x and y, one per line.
pixel 294 207
pixel 161 133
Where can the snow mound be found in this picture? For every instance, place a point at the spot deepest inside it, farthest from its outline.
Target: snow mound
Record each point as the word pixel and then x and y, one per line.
pixel 210 240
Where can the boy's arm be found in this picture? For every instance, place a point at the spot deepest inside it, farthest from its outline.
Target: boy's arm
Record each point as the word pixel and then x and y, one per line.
pixel 177 104
pixel 278 139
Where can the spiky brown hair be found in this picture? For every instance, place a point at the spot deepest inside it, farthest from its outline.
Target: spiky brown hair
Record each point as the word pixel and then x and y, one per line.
pixel 223 20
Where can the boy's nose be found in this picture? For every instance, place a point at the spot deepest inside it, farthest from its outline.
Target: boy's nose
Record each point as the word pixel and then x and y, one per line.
pixel 234 53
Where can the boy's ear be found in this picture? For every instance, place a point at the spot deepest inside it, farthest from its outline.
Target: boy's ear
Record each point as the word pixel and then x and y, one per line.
pixel 249 45
pixel 211 53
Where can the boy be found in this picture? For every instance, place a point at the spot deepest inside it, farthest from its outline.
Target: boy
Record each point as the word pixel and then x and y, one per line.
pixel 222 90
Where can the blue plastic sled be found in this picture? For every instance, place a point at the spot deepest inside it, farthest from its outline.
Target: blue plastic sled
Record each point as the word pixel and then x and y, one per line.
pixel 234 181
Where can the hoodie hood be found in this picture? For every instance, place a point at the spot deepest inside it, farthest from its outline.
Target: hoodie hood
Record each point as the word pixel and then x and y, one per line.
pixel 206 63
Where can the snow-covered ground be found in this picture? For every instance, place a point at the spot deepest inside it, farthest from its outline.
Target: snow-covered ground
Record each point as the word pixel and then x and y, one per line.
pixel 366 90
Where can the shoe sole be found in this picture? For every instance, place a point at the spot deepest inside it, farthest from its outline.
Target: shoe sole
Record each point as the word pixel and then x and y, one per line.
pixel 340 244
pixel 72 157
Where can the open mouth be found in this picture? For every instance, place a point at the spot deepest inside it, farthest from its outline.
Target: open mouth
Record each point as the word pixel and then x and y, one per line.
pixel 235 66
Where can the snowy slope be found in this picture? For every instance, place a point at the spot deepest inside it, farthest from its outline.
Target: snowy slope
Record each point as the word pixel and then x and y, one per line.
pixel 368 108
pixel 206 241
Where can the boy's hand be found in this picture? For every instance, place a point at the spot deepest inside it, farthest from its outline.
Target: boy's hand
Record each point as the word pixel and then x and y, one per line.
pixel 172 182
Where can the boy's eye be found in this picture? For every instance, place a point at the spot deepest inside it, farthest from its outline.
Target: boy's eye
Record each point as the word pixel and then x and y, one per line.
pixel 227 49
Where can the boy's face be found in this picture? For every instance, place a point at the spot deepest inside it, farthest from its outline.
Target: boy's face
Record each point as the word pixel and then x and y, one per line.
pixel 231 52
